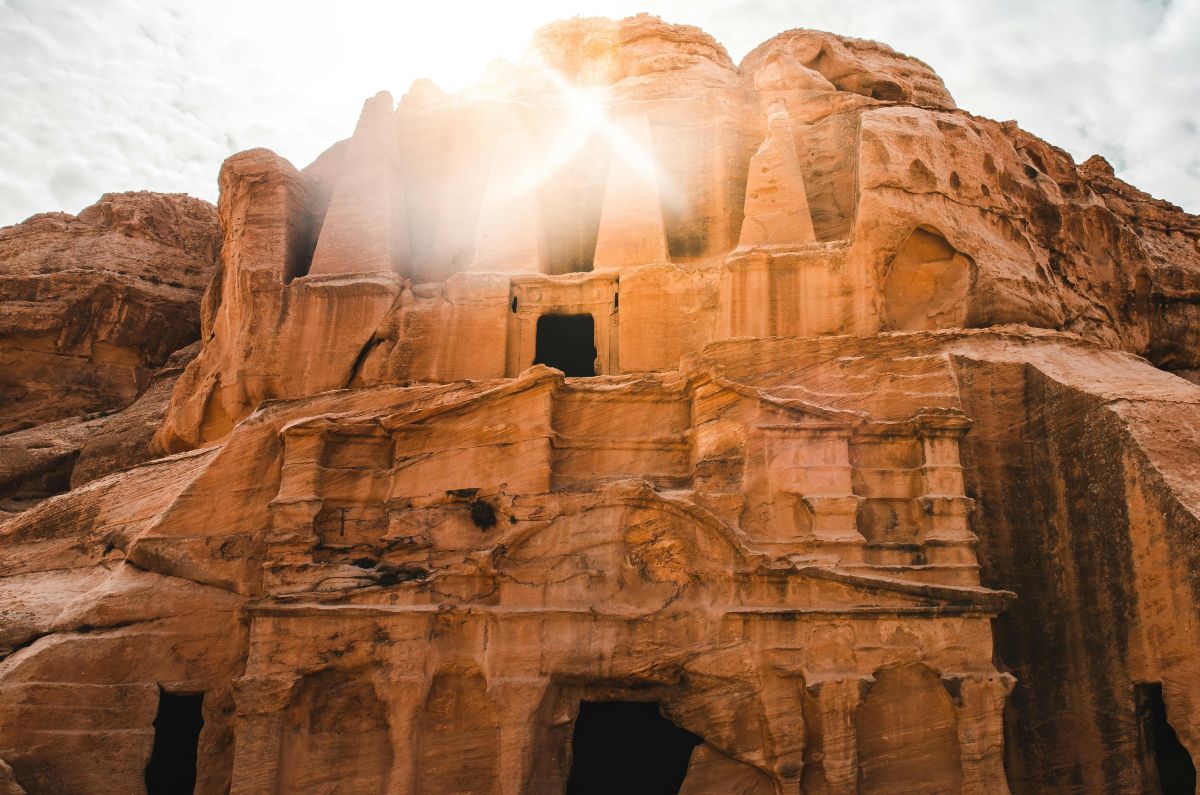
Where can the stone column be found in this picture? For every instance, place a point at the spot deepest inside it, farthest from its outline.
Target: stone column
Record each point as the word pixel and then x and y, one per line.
pixel 750 305
pixel 290 539
pixel 404 696
pixel 261 702
pixel 979 712
pixel 837 701
pixel 783 710
pixel 946 535
pixel 518 702
pixel 522 326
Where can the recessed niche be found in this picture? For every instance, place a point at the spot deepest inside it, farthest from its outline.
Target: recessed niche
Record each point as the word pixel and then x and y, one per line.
pixel 567 343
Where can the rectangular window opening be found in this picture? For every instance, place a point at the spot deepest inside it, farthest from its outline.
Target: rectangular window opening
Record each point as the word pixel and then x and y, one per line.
pixel 567 343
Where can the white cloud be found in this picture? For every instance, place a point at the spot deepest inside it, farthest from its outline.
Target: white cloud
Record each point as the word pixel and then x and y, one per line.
pixel 154 94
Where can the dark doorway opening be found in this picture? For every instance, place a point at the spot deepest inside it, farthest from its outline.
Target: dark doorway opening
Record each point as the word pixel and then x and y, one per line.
pixel 172 767
pixel 567 343
pixel 1176 771
pixel 627 747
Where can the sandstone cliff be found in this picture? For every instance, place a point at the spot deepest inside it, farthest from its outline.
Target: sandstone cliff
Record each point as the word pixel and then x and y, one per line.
pixel 905 193
pixel 780 417
pixel 92 307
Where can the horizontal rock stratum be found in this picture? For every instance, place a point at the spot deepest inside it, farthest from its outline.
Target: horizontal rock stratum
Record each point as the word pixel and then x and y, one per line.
pixel 631 421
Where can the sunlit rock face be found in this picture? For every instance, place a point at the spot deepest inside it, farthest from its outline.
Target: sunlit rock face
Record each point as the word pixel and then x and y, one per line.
pixel 635 157
pixel 636 419
pixel 91 308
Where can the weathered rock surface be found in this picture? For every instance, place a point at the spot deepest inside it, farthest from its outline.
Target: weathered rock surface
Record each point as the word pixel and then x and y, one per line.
pixel 641 55
pixel 495 526
pixel 877 476
pixel 1084 466
pixel 813 60
pixel 91 306
pixel 55 457
pixel 925 216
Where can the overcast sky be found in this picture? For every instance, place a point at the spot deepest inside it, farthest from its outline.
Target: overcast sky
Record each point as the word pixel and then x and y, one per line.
pixel 154 94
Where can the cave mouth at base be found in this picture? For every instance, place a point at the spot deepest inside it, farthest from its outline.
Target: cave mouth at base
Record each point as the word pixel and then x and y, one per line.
pixel 1176 770
pixel 172 765
pixel 628 747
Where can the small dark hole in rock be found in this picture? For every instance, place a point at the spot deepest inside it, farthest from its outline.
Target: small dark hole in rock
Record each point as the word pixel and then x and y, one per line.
pixel 887 92
pixel 390 575
pixel 483 514
pixel 1031 172
pixel 364 563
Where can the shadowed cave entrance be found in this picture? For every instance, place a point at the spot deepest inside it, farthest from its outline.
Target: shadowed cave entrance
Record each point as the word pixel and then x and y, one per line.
pixel 172 766
pixel 627 747
pixel 1176 771
pixel 567 343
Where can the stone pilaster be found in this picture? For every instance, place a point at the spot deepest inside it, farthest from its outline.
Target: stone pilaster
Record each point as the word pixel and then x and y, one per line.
pixel 837 702
pixel 518 702
pixel 405 697
pixel 784 713
pixel 810 468
pixel 946 535
pixel 979 711
pixel 290 539
pixel 260 702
